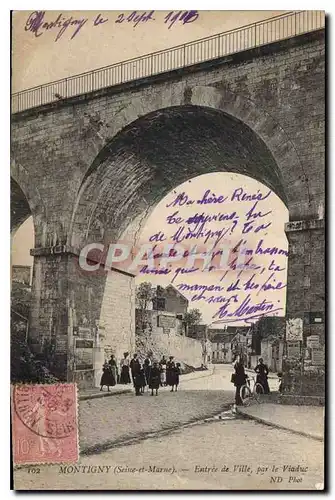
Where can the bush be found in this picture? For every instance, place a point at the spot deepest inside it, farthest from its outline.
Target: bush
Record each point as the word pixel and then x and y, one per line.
pixel 25 367
pixel 307 383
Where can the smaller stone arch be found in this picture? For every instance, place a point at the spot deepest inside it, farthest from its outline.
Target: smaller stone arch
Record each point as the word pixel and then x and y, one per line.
pixel 29 200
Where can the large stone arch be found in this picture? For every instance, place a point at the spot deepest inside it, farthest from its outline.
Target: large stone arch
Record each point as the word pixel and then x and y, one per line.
pixel 245 117
pixel 144 161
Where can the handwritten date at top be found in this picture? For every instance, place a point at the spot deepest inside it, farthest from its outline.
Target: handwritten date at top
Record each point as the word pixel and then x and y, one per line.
pixel 136 18
pixel 184 17
pixel 37 23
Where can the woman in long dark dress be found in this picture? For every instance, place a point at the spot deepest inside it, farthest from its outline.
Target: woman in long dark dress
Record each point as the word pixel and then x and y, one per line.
pixel 125 375
pixel 155 379
pixel 134 367
pixel 147 369
pixel 143 381
pixel 171 373
pixel 106 377
pixel 139 380
pixel 113 368
pixel 240 379
pixel 176 377
pixel 262 375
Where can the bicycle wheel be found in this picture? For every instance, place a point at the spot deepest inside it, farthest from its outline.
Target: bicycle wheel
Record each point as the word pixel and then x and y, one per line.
pixel 258 391
pixel 245 395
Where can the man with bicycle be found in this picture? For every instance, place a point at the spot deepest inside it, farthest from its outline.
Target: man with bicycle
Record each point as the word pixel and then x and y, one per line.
pixel 239 379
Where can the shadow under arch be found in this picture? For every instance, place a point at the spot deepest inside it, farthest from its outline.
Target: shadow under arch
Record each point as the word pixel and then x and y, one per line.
pixel 156 153
pixel 26 201
pixel 20 209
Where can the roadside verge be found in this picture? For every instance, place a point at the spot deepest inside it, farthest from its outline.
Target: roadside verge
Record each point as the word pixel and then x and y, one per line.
pixel 307 421
pixel 117 390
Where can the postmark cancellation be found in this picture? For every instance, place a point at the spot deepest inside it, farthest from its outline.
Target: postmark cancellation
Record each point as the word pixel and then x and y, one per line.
pixel 45 423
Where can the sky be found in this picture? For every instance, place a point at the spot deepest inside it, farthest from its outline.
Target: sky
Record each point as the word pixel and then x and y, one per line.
pixel 102 41
pixel 41 59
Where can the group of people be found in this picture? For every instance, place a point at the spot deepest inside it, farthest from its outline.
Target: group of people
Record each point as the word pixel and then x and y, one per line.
pixel 150 373
pixel 240 377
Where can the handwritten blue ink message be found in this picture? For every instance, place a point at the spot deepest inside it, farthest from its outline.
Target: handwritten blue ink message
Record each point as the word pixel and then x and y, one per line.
pixel 243 291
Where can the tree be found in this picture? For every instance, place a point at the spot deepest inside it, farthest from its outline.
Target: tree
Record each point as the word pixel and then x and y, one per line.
pixel 144 295
pixel 25 366
pixel 268 326
pixel 191 318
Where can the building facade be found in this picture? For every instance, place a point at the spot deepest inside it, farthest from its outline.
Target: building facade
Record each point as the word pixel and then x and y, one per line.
pixel 171 300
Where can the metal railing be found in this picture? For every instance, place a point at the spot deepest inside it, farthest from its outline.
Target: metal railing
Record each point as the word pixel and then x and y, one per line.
pixel 253 35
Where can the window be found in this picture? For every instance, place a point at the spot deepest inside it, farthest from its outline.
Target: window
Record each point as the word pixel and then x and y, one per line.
pixel 312 318
pixel 158 303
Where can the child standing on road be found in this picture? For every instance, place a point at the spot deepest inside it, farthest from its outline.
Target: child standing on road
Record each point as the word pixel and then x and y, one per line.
pixel 154 380
pixel 107 377
pixel 138 379
pixel 142 379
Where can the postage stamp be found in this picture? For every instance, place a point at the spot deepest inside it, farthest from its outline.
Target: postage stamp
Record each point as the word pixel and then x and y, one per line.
pixel 44 419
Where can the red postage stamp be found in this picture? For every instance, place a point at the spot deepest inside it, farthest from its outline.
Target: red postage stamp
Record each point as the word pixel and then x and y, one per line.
pixel 45 423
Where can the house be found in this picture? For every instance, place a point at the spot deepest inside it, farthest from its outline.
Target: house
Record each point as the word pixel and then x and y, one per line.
pixel 171 300
pixel 228 342
pixel 221 347
pixel 197 331
pixel 166 314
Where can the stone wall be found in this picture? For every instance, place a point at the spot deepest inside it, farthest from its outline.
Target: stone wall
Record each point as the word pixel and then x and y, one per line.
pixel 306 274
pixel 117 319
pixel 184 349
pixel 170 342
pixel 159 330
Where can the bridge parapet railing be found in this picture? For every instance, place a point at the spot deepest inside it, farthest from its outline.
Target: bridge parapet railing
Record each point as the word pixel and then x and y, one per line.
pixel 240 39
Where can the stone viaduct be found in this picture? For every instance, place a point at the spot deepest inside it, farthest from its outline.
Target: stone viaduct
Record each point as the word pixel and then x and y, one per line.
pixel 85 167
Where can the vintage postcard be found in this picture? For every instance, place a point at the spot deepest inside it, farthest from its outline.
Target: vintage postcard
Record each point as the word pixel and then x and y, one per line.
pixel 167 250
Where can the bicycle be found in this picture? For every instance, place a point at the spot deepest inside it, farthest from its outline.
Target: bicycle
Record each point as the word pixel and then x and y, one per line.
pixel 246 394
